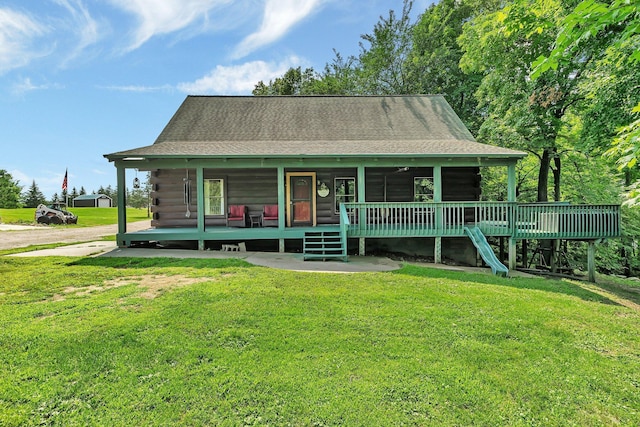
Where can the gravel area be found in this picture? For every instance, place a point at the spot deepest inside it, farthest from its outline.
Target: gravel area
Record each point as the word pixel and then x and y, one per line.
pixel 42 234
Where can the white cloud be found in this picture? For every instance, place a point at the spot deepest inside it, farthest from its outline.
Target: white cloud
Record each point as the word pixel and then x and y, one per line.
pixel 139 89
pixel 165 16
pixel 83 25
pixel 17 34
pixel 279 17
pixel 239 79
pixel 26 85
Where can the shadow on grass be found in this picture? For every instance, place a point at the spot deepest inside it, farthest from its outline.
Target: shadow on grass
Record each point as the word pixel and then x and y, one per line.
pixel 125 262
pixel 625 291
pixel 540 284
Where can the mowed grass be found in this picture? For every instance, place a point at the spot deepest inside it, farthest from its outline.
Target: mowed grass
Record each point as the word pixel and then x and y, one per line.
pixel 117 341
pixel 87 217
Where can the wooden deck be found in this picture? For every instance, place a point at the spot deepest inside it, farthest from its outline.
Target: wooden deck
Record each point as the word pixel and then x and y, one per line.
pixel 444 219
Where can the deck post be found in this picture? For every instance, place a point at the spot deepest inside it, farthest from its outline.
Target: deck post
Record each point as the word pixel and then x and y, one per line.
pixel 591 261
pixel 361 212
pixel 122 200
pixel 200 205
pixel 512 253
pixel 511 197
pixel 437 197
pixel 282 209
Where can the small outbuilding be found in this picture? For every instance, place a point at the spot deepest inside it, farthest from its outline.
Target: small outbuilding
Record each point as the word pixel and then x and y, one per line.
pixel 93 201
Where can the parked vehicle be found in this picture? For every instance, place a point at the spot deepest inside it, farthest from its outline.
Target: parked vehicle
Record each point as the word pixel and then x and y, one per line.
pixel 55 213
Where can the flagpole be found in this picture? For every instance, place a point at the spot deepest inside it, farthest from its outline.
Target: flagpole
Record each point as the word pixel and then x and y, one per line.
pixel 65 183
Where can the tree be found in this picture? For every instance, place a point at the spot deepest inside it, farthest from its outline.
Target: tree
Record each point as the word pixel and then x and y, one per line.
pixel 295 81
pixel 33 197
pixel 522 113
pixel 73 194
pixel 618 24
pixel 434 62
pixel 82 191
pixel 383 64
pixel 9 191
pixel 54 198
pixel 139 197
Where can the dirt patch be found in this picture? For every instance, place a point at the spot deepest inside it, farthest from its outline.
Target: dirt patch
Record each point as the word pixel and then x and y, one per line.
pixel 153 286
pixel 41 235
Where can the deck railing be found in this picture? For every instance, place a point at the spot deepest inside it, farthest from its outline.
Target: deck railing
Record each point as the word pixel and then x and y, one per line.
pixel 522 221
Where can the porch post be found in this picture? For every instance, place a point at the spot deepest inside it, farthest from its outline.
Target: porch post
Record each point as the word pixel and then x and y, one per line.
pixel 361 212
pixel 281 207
pixel 511 197
pixel 437 197
pixel 122 200
pixel 200 205
pixel 591 261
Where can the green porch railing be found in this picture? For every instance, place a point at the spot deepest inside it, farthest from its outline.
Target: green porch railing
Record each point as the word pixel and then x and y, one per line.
pixel 564 221
pixel 442 219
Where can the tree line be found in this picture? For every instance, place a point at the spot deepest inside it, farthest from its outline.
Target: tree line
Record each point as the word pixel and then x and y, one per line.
pixel 12 195
pixel 557 79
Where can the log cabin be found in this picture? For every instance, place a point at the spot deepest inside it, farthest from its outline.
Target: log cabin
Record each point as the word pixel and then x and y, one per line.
pixel 331 176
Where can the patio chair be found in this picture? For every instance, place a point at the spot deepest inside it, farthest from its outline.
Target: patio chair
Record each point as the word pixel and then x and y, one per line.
pixel 237 216
pixel 270 216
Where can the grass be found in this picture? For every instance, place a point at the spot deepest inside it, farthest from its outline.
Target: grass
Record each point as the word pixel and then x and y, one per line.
pixel 117 341
pixel 87 217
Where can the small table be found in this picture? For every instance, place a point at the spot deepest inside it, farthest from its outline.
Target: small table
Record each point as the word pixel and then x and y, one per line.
pixel 256 220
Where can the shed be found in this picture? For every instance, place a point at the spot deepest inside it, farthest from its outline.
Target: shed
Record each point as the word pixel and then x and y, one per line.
pixel 93 201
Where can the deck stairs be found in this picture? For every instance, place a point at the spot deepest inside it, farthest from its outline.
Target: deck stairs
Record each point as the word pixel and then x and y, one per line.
pixel 325 245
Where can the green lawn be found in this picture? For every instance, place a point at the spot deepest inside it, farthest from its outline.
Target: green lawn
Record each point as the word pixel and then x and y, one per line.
pixel 87 217
pixel 99 341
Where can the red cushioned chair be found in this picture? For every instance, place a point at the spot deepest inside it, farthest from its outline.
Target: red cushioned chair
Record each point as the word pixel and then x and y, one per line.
pixel 270 216
pixel 237 216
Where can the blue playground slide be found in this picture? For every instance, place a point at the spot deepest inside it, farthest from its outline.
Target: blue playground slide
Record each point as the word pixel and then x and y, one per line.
pixel 480 242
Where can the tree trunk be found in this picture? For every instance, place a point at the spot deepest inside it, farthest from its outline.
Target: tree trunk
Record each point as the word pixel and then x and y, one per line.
pixel 556 175
pixel 543 176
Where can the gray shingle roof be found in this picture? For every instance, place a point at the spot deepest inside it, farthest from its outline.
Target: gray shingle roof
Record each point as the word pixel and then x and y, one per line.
pixel 220 126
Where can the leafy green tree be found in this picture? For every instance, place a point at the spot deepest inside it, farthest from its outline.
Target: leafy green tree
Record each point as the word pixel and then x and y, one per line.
pixel 54 198
pixel 383 63
pixel 434 62
pixel 73 194
pixel 9 191
pixel 295 81
pixel 615 26
pixel 33 196
pixel 522 113
pixel 82 191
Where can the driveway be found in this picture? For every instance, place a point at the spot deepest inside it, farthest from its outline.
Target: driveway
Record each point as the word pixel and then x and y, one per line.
pixel 22 236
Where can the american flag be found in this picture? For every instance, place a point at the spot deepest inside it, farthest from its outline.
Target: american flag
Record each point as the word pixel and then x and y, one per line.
pixel 64 182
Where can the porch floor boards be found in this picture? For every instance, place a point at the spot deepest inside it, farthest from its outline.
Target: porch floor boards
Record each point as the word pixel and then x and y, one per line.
pixel 221 233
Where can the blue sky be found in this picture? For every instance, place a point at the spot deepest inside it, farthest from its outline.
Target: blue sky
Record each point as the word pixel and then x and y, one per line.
pixel 82 78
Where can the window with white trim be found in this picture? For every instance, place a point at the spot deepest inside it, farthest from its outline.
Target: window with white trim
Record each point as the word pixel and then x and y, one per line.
pixel 344 191
pixel 214 197
pixel 423 189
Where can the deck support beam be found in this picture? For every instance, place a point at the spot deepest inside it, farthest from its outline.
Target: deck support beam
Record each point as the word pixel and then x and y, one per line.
pixel 361 198
pixel 200 204
pixel 591 261
pixel 511 197
pixel 282 209
pixel 437 197
pixel 122 201
pixel 512 253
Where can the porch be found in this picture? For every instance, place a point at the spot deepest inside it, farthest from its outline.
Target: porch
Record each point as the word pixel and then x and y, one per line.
pixel 476 220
